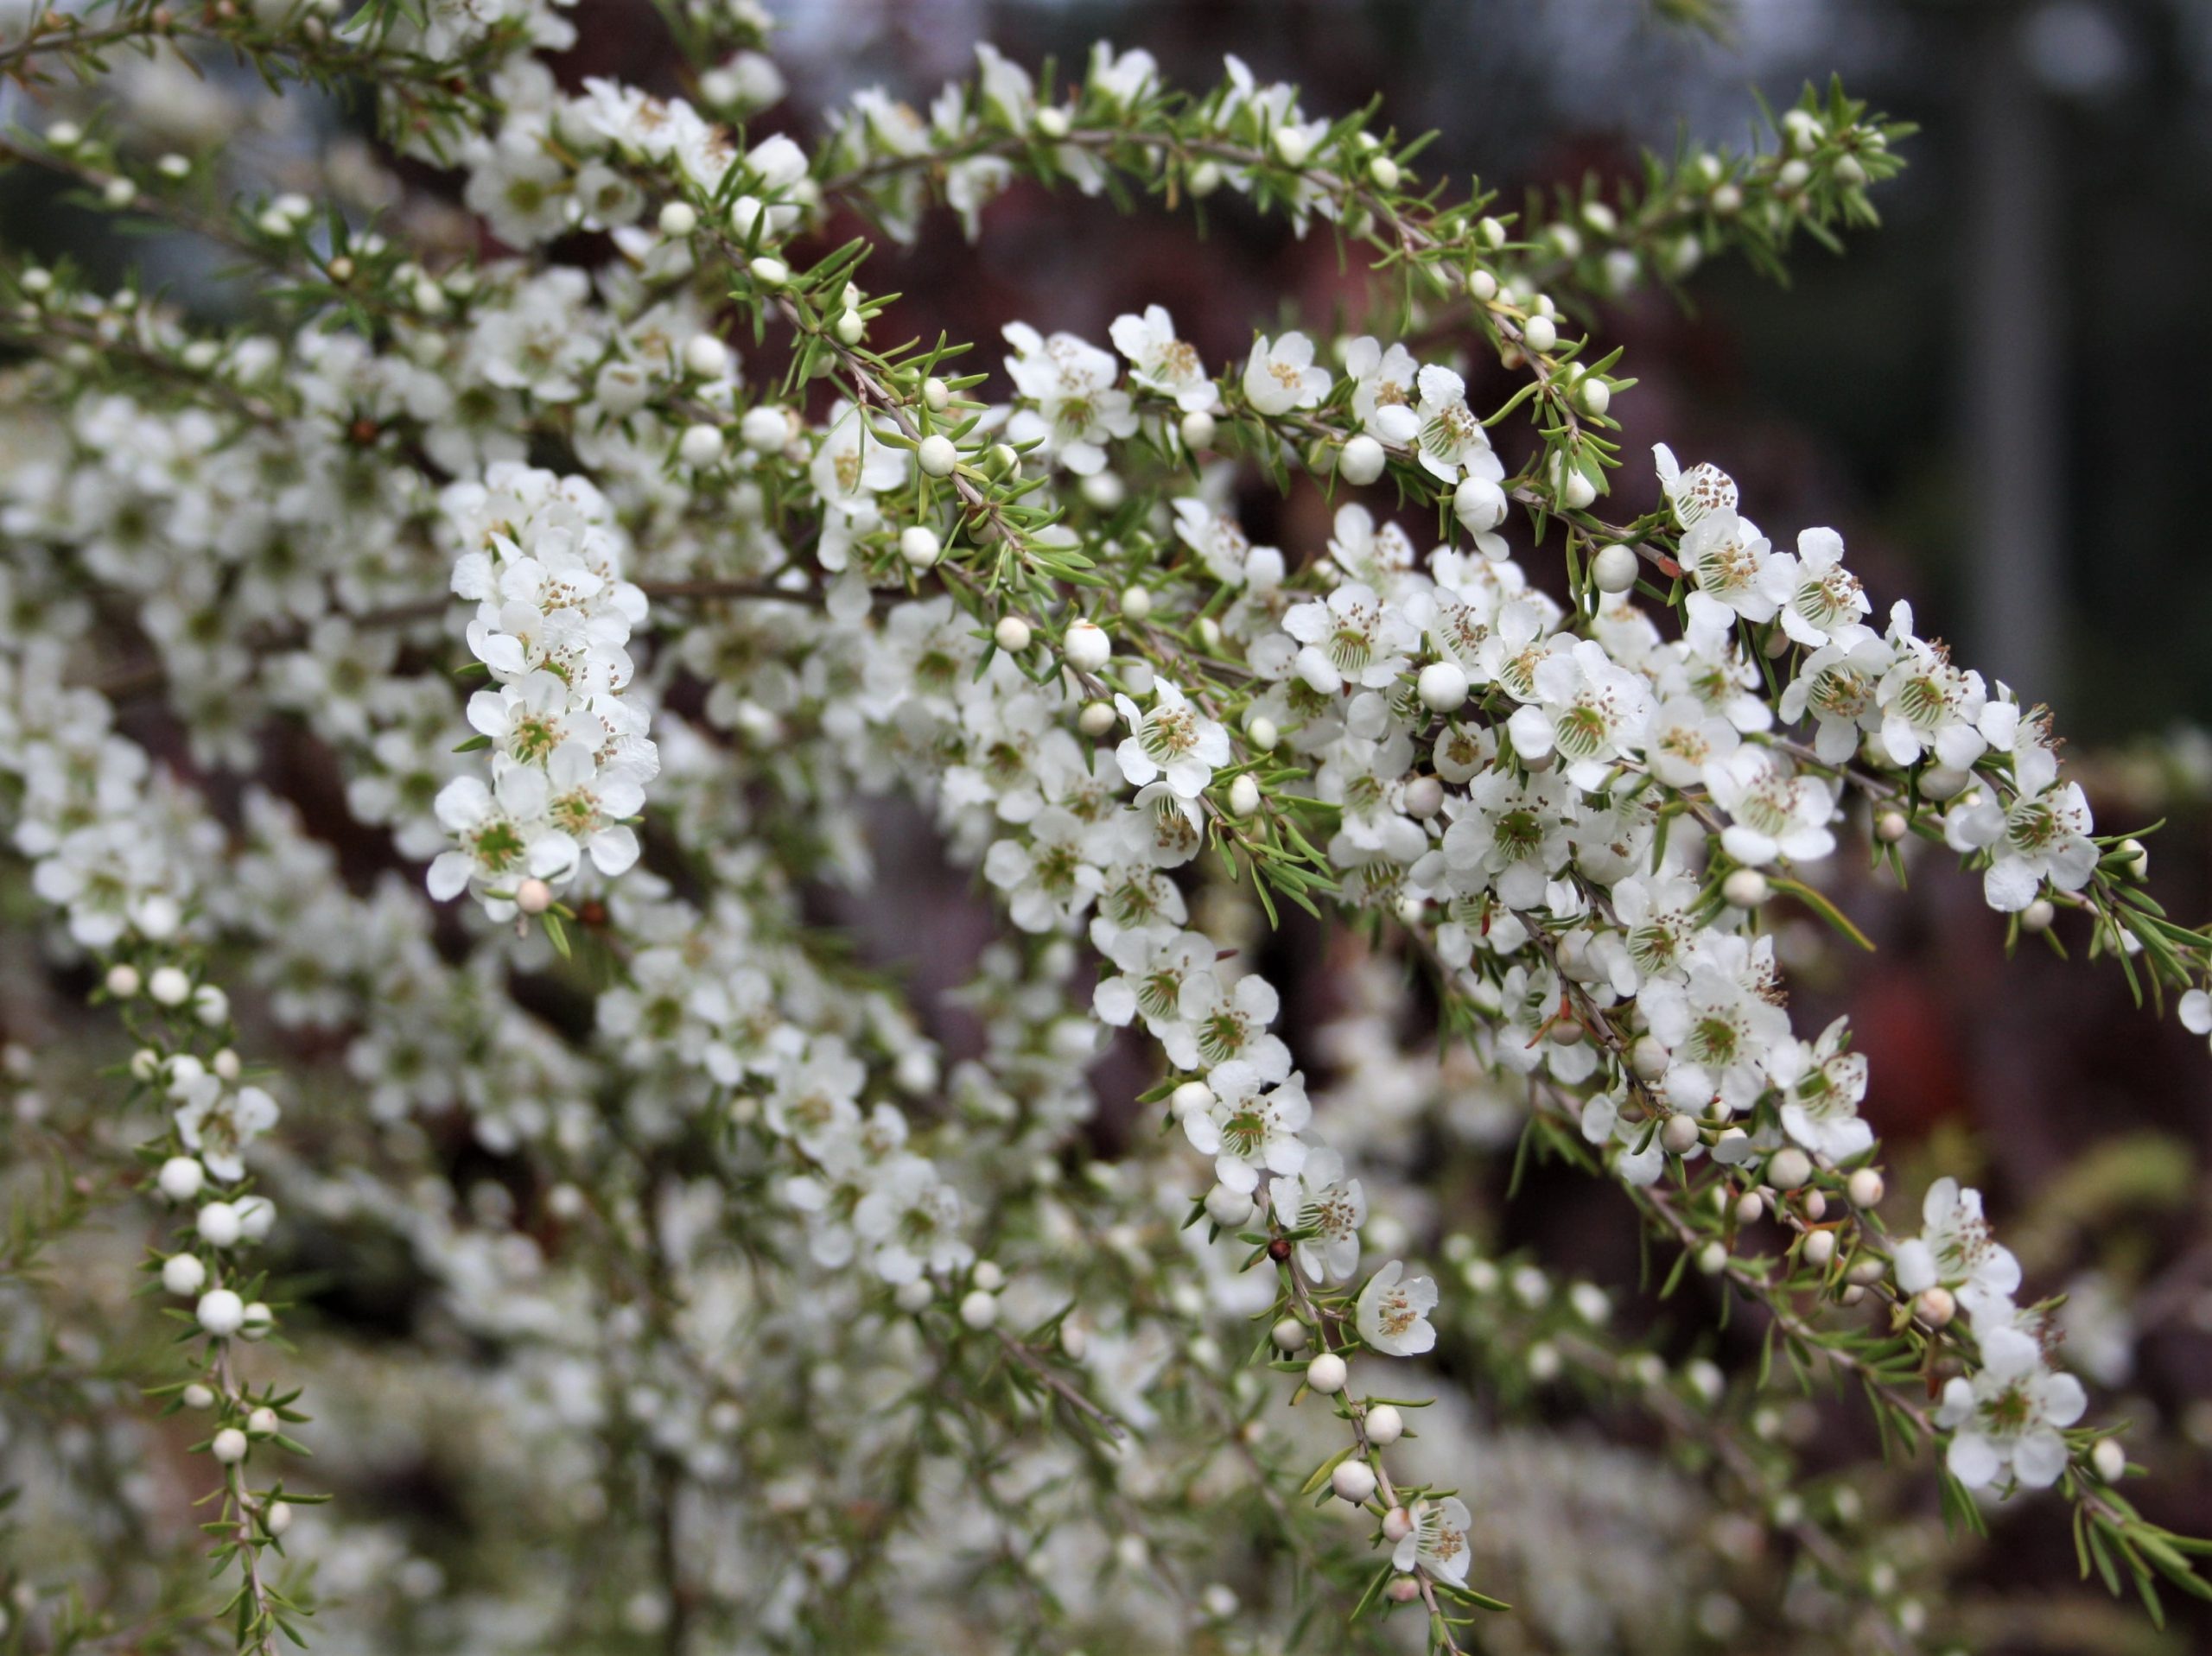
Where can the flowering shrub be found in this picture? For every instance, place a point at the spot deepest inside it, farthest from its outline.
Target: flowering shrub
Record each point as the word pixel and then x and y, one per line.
pixel 620 579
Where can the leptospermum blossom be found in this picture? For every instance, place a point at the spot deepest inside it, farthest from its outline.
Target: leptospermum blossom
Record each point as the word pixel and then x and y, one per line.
pixel 1393 1312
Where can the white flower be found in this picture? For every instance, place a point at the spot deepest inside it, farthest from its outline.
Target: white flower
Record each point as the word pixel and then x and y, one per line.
pixel 1956 1248
pixel 1050 881
pixel 1231 1026
pixel 218 1124
pixel 1717 1023
pixel 1437 1540
pixel 1683 737
pixel 1353 636
pixel 1778 812
pixel 1827 596
pixel 1385 387
pixel 503 834
pixel 2007 1417
pixel 2042 834
pixel 1586 710
pixel 1393 1312
pixel 1172 738
pixel 1511 835
pixel 1704 488
pixel 1077 410
pixel 1822 1085
pixel 1738 574
pixel 1451 441
pixel 853 463
pixel 1279 375
pixel 1319 1198
pixel 1250 1126
pixel 1839 684
pixel 1161 362
pixel 1926 702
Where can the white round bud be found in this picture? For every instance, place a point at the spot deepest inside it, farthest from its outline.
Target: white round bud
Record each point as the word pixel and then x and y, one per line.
pixel 1361 462
pixel 1864 1187
pixel 1820 1247
pixel 765 429
pixel 263 1423
pixel 1353 1480
pixel 217 1223
pixel 1424 798
pixel 1712 1259
pixel 145 1065
pixel 123 980
pixel 988 1276
pixel 229 1446
pixel 1478 503
pixel 256 1217
pixel 1293 145
pixel 937 396
pixel 1789 1168
pixel 1397 1524
pixel 1385 1425
pixel 701 445
pixel 1263 735
pixel 1199 429
pixel 920 546
pixel 2109 1459
pixel 1539 334
pixel 915 1295
pixel 211 1006
pixel 1227 1209
pixel 1679 1134
pixel 228 1065
pixel 533 896
pixel 2137 856
pixel 1889 827
pixel 1189 1099
pixel 678 219
pixel 183 1273
pixel 181 1178
pixel 1595 396
pixel 2038 916
pixel 1935 1307
pixel 1095 719
pixel 1290 1335
pixel 979 1310
pixel 1326 1374
pixel 936 454
pixel 1745 888
pixel 1136 602
pixel 1243 795
pixel 1481 286
pixel 1085 646
pixel 1615 568
pixel 278 1518
pixel 1104 489
pixel 1648 1058
pixel 1011 634
pixel 706 356
pixel 770 272
pixel 221 1312
pixel 196 1396
pixel 1577 491
pixel 1944 781
pixel 1443 686
pixel 169 986
pixel 852 327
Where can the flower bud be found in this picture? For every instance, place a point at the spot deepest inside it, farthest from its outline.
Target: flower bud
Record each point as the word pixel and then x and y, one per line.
pixel 1820 1247
pixel 700 447
pixel 1539 334
pixel 1011 634
pixel 181 1178
pixel 2109 1459
pixel 2038 916
pixel 937 396
pixel 1136 602
pixel 1243 795
pixel 1085 646
pixel 1353 1480
pixel 1679 1134
pixel 221 1312
pixel 1614 569
pixel 678 220
pixel 770 272
pixel 1290 1335
pixel 1864 1187
pixel 1745 888
pixel 1199 429
pixel 706 356
pixel 1935 1307
pixel 1787 1169
pixel 1384 1425
pixel 1326 1374
pixel 1095 719
pixel 229 1446
pixel 1361 460
pixel 979 1310
pixel 183 1274
pixel 1478 503
pixel 1443 687
pixel 1227 1209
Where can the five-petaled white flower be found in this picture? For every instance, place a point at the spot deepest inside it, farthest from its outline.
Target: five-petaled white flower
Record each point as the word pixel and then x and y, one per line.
pixel 1171 738
pixel 2007 1417
pixel 1393 1312
pixel 1279 375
